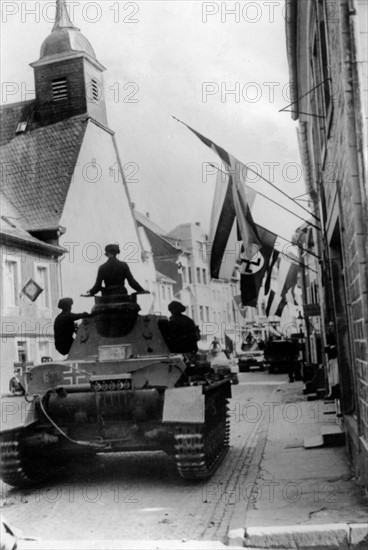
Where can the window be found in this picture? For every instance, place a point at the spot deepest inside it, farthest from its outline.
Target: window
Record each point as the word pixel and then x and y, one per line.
pixel 22 127
pixel 184 274
pixel 59 89
pixel 198 275
pixel 44 349
pixel 207 314
pixel 190 275
pixel 201 316
pixel 22 353
pixel 192 312
pixel 204 276
pixel 42 278
pixel 11 283
pixel 204 252
pixel 95 90
pixel 162 291
pixel 321 98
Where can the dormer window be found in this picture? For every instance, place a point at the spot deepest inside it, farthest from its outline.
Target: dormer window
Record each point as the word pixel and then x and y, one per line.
pixel 22 127
pixel 59 89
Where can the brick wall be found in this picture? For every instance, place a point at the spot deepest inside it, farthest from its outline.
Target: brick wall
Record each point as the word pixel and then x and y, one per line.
pixel 340 171
pixel 78 73
pixel 47 110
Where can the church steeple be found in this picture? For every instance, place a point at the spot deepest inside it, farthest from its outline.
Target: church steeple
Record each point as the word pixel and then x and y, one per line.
pixel 68 77
pixel 62 19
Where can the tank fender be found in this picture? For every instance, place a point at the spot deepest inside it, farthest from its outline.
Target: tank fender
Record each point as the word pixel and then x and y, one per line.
pixel 17 412
pixel 184 405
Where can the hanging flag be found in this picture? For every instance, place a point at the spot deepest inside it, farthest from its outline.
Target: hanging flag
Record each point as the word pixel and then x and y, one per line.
pixel 275 304
pixel 231 221
pixel 222 239
pixel 286 280
pixel 267 286
pixel 252 270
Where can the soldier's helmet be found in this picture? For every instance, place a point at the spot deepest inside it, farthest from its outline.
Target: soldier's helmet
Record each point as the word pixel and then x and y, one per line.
pixel 176 307
pixel 65 303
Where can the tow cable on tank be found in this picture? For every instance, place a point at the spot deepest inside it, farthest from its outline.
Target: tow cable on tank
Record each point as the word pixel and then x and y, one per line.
pixel 82 443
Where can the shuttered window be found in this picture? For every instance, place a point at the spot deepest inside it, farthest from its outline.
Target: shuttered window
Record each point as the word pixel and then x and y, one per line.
pixel 60 89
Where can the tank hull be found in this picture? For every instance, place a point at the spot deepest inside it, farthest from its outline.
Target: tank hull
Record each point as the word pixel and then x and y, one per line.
pixel 121 389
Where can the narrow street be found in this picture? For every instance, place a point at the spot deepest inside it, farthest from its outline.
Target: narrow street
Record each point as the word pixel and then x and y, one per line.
pixel 140 496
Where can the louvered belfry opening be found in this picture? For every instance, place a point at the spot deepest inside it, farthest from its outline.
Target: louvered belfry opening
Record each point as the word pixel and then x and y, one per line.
pixel 60 89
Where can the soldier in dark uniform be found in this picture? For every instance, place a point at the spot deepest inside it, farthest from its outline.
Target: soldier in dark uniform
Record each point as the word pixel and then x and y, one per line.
pixel 113 274
pixel 183 332
pixel 15 383
pixel 64 325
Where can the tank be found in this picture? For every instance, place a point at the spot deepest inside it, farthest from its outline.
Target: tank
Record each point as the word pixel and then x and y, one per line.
pixel 120 389
pixel 280 354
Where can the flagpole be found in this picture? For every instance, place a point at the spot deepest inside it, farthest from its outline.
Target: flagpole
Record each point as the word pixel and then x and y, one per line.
pixel 271 200
pixel 283 193
pixel 299 263
pixel 263 178
pixel 281 237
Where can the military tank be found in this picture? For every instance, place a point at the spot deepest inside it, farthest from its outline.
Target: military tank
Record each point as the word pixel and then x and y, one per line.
pixel 120 389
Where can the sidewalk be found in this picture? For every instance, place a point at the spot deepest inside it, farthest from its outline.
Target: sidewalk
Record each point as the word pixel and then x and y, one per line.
pixel 299 497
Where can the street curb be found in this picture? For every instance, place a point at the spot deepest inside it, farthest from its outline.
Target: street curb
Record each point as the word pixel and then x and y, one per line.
pixel 344 536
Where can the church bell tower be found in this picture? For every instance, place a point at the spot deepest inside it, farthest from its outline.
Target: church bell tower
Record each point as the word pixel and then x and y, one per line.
pixel 68 77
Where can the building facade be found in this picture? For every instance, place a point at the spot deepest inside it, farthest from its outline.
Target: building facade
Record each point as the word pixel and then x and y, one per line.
pixel 328 60
pixel 29 293
pixel 181 255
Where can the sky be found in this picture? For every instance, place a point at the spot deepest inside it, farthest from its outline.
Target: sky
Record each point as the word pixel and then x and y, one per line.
pixel 220 67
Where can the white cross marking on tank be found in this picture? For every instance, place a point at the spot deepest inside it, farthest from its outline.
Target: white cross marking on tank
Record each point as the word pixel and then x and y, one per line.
pixel 75 377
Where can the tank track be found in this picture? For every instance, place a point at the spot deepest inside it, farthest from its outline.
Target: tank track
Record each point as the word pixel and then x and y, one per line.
pixel 12 469
pixel 22 467
pixel 200 449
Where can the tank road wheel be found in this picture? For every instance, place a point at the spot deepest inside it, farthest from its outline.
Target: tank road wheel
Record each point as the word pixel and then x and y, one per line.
pixel 200 449
pixel 20 467
pixel 11 468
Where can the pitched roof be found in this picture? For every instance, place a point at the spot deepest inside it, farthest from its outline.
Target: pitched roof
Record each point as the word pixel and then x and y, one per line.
pixel 164 278
pixel 11 230
pixel 149 224
pixel 38 164
pixel 165 254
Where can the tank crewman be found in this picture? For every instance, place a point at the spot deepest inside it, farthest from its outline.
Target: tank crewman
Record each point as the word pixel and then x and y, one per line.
pixel 215 344
pixel 15 383
pixel 184 333
pixel 113 274
pixel 64 327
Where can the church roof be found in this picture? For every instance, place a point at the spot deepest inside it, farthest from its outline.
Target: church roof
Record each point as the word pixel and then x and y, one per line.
pixel 65 38
pixel 38 164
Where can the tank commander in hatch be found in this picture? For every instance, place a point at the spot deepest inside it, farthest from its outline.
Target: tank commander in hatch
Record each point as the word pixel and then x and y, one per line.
pixel 113 274
pixel 64 325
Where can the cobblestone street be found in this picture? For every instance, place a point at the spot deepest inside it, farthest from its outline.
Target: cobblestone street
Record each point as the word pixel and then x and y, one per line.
pixel 140 496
